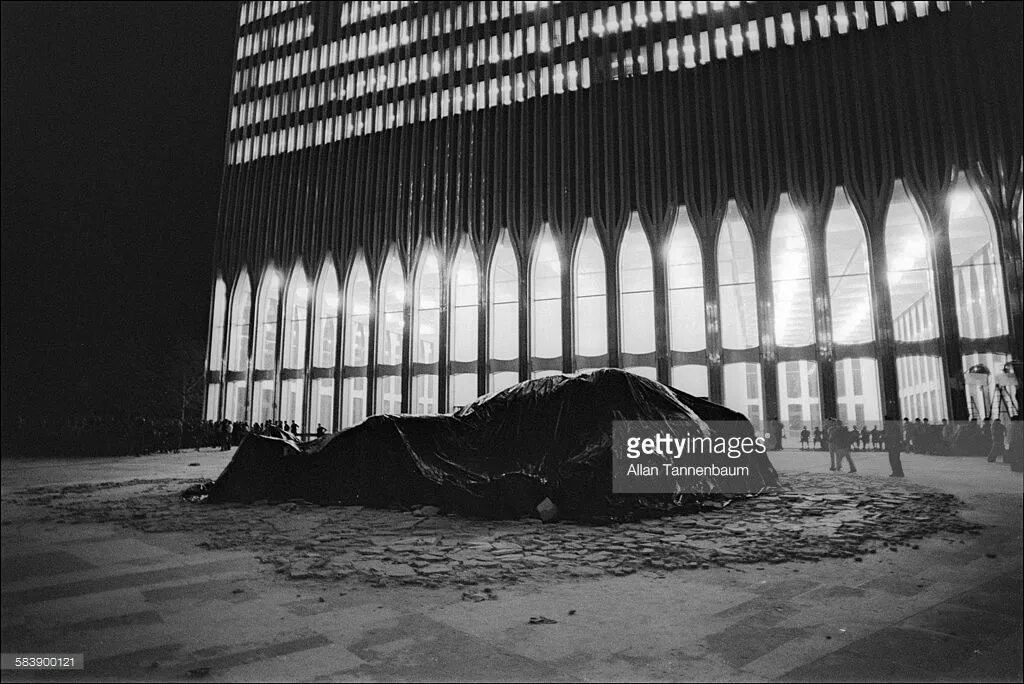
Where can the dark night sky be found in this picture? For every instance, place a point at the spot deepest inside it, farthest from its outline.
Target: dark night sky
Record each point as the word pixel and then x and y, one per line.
pixel 113 135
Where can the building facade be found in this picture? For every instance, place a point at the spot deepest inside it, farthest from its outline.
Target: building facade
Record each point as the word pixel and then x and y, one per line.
pixel 798 209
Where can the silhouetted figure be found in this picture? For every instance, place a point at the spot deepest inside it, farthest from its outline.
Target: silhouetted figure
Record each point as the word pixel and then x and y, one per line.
pixel 805 439
pixel 893 444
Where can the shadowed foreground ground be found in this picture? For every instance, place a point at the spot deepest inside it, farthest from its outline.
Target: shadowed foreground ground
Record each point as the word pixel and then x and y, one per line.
pixel 101 557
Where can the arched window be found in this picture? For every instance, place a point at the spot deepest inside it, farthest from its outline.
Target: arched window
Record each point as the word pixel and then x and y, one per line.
pixel 503 357
pixel 216 354
pixel 687 335
pixel 426 332
pixel 464 330
pixel 238 349
pixel 858 399
pixel 296 315
pixel 390 329
pixel 357 344
pixel 799 402
pixel 919 370
pixel 325 336
pixel 591 324
pixel 546 309
pixel 264 405
pixel 737 294
pixel 980 298
pixel 636 301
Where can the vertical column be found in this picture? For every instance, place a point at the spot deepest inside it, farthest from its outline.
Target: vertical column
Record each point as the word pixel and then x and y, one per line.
pixel 443 332
pixel 885 337
pixel 766 320
pixel 663 362
pixel 407 323
pixel 339 349
pixel 824 346
pixel 713 318
pixel 568 302
pixel 1013 279
pixel 613 306
pixel 945 289
pixel 525 317
pixel 483 322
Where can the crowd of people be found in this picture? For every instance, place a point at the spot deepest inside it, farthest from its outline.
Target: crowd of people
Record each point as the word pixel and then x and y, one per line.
pixel 107 436
pixel 988 437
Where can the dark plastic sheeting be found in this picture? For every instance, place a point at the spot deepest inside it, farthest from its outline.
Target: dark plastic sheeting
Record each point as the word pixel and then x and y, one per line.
pixel 498 457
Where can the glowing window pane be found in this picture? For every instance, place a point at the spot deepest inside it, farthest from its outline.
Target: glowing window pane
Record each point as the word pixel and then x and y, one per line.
pixel 357 340
pixel 390 329
pixel 686 305
pixel 591 324
pixel 426 334
pixel 546 307
pixel 504 316
pixel 463 339
pixel 636 300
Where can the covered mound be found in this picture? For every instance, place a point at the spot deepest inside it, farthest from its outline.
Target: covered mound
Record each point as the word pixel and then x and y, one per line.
pixel 498 457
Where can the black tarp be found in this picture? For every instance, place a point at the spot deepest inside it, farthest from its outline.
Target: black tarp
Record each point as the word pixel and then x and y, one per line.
pixel 497 457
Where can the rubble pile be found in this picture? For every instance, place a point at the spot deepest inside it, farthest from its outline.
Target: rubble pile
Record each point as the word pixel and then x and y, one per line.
pixel 810 517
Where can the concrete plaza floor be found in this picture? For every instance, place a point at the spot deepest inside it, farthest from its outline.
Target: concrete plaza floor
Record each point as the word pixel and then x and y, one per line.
pixel 156 606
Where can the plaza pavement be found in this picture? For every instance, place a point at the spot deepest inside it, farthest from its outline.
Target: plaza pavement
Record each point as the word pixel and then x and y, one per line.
pixel 155 606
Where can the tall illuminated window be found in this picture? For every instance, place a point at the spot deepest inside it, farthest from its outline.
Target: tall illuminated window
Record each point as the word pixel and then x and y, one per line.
pixel 503 356
pixel 980 299
pixel 296 312
pixel 426 333
pixel 215 359
pixel 858 399
pixel 687 335
pixel 591 312
pixel 799 404
pixel 325 339
pixel 463 339
pixel 390 330
pixel 737 294
pixel 238 348
pixel 920 372
pixel 546 308
pixel 636 301
pixel 264 405
pixel 356 352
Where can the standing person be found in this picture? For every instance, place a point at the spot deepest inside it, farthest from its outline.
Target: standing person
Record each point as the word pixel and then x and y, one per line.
pixel 805 439
pixel 817 438
pixel 998 441
pixel 947 436
pixel 865 438
pixel 843 440
pixel 320 430
pixel 985 444
pixel 226 428
pixel 831 439
pixel 893 444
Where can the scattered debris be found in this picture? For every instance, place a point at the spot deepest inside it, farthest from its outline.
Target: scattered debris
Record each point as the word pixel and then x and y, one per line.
pixel 541 620
pixel 547 510
pixel 812 517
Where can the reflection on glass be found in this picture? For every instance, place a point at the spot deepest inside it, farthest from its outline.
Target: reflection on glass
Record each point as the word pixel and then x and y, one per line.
pixel 636 299
pixel 464 337
pixel 737 294
pixel 980 302
pixel 241 308
pixel 426 331
pixel 266 322
pixel 799 405
pixel 326 330
pixel 922 384
pixel 504 316
pixel 686 305
pixel 858 393
pixel 390 327
pixel 296 308
pixel 546 311
pixel 357 340
pixel 591 303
